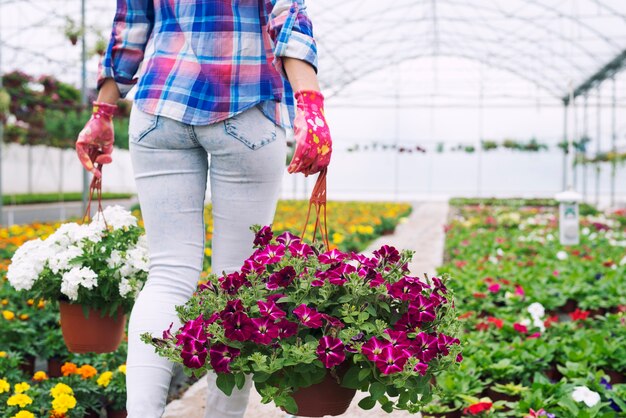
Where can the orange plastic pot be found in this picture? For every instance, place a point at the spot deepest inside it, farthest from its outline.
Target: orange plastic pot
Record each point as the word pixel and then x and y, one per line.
pixel 324 398
pixel 93 334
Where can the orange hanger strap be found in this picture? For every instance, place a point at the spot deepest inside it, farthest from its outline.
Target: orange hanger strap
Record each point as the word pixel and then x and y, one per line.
pixel 318 201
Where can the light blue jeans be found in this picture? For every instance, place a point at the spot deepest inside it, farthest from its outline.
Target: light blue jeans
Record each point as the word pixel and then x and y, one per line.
pixel 170 162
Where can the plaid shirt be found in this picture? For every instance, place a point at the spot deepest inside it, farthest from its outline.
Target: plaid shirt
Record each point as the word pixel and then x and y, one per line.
pixel 208 60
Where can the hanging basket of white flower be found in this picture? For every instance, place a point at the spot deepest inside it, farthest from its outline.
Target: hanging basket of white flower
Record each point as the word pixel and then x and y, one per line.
pixel 95 270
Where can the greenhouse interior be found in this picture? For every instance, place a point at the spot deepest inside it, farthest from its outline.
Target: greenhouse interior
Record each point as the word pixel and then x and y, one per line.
pixel 181 237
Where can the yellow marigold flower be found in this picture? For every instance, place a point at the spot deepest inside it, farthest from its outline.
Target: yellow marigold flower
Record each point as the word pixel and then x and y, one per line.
pixel 19 399
pixel 24 414
pixel 63 403
pixel 337 238
pixel 41 304
pixel 68 369
pixel 30 302
pixel 21 387
pixel 3 354
pixel 86 371
pixel 5 302
pixel 8 315
pixel 122 369
pixel 40 376
pixel 61 389
pixel 104 379
pixel 4 386
pixel 24 317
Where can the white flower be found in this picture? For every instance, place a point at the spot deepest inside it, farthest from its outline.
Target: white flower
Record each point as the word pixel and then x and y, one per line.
pixel 27 264
pixel 61 260
pixel 561 255
pixel 536 310
pixel 116 217
pixel 493 260
pixel 65 235
pixel 138 258
pixel 538 323
pixel 550 237
pixel 76 277
pixel 584 394
pixel 115 259
pixel 623 262
pixel 92 232
pixel 585 231
pixel 500 252
pixel 125 287
pixel 526 322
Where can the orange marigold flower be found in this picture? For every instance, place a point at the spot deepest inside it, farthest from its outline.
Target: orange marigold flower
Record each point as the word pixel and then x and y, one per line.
pixel 86 371
pixel 40 376
pixel 24 317
pixel 30 302
pixel 41 304
pixel 68 369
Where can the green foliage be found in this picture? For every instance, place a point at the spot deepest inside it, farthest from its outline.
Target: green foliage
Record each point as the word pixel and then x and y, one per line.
pixel 28 199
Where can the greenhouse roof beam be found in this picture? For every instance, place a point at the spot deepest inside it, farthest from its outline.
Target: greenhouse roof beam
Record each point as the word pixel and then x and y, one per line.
pixel 606 72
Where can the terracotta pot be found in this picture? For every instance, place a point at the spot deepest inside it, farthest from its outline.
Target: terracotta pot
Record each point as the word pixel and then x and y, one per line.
pixel 116 414
pixel 28 365
pixel 94 334
pixel 54 367
pixel 324 398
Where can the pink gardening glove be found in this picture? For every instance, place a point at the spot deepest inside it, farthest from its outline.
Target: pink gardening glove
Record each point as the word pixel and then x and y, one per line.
pixel 311 133
pixel 95 141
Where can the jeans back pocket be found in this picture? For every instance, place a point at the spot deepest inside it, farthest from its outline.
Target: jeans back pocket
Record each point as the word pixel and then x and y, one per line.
pixel 252 128
pixel 140 124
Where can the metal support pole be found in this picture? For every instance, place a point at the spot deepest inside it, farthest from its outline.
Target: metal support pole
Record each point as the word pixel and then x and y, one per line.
pixel 1 133
pixel 585 139
pixel 570 149
pixel 613 139
pixel 565 142
pixel 598 143
pixel 83 93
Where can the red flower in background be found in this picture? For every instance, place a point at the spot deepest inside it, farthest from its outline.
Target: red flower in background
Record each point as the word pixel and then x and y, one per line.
pixel 550 320
pixel 579 315
pixel 477 408
pixel 496 321
pixel 520 328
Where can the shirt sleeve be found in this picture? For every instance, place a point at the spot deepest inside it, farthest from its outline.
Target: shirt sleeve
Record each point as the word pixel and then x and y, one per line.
pixel 132 26
pixel 291 31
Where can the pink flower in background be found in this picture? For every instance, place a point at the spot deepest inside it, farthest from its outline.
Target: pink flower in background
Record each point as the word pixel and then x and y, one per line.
pixel 519 291
pixel 522 329
pixel 331 351
pixel 494 288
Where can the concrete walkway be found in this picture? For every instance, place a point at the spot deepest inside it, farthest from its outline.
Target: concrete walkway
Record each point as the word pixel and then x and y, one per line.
pixel 423 233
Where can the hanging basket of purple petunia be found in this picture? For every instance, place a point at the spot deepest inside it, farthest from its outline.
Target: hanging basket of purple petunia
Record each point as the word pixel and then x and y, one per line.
pixel 297 313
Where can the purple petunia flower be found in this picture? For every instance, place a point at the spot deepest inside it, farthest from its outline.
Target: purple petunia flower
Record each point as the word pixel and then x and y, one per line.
pixel 387 254
pixel 192 331
pixel 421 368
pixel 444 342
pixel 238 327
pixel 332 321
pixel 264 330
pixel 263 237
pixel 221 356
pixel 232 307
pixel 391 360
pixel 424 347
pixel 399 339
pixel 422 309
pixel 363 260
pixel 330 351
pixel 373 348
pixel 232 282
pixel 287 329
pixel 271 310
pixel 194 354
pixel 308 317
pixel 439 286
pixel 404 289
pixel 282 278
pixel 252 266
pixel 287 238
pixel 271 254
pixel 300 250
pixel 371 276
pixel 331 257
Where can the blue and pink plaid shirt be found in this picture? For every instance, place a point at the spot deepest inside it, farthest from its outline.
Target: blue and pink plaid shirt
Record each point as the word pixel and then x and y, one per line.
pixel 208 60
